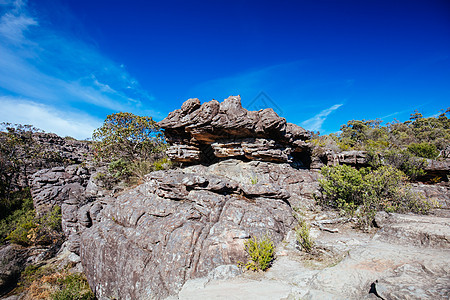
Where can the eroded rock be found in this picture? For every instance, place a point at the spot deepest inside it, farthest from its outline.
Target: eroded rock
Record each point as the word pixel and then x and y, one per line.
pixel 182 224
pixel 202 133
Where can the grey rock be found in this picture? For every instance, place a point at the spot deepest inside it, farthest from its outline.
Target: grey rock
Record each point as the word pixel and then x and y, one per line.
pixel 12 263
pixel 178 225
pixel 438 194
pixel 424 231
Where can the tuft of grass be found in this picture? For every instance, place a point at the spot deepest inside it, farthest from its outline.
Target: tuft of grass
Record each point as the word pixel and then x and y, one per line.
pixel 261 252
pixel 73 287
pixel 254 179
pixel 303 236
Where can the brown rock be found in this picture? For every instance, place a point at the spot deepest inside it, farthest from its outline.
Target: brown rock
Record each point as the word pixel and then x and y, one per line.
pixel 226 130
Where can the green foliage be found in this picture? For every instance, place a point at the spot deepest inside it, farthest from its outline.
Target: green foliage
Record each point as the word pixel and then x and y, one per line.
pixel 404 142
pixel 364 192
pixel 19 213
pixel 16 146
pixel 32 273
pixel 128 137
pixel 119 169
pixel 403 160
pixel 162 164
pixel 342 187
pixel 424 149
pixel 21 234
pixel 73 287
pixel 303 237
pixel 253 179
pixel 133 146
pixel 23 228
pixel 261 252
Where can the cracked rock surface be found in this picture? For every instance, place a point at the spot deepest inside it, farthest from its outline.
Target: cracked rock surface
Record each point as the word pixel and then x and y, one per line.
pixel 182 224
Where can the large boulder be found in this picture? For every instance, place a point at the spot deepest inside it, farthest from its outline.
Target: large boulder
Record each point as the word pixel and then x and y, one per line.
pixel 212 131
pixel 182 224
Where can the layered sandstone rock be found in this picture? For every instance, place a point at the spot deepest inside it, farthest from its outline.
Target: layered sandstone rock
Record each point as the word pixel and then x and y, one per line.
pixel 184 223
pixel 76 190
pixel 212 131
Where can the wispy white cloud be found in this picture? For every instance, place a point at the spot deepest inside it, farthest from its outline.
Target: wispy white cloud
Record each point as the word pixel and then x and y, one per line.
pixel 13 26
pixel 74 124
pixel 59 72
pixel 315 123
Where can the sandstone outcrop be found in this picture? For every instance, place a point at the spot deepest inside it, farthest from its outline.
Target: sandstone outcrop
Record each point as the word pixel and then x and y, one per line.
pixel 213 131
pixel 76 190
pixel 182 224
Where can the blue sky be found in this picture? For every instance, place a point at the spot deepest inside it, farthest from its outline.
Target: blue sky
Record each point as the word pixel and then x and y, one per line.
pixel 66 64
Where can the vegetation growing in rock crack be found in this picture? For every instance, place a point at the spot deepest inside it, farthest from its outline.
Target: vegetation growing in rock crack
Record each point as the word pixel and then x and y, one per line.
pixel 261 252
pixel 303 237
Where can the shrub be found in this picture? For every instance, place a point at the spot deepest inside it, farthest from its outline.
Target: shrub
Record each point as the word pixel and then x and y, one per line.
pixel 162 164
pixel 119 169
pixel 20 206
pixel 47 283
pixel 364 192
pixel 303 237
pixel 22 233
pixel 425 150
pixel 127 136
pixel 403 160
pixel 25 229
pixel 342 186
pixel 261 252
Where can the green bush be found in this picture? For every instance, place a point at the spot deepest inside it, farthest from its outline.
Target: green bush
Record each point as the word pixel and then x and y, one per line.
pixel 128 137
pixel 342 187
pixel 162 164
pixel 23 228
pixel 405 161
pixel 425 150
pixel 261 252
pixel 22 233
pixel 119 169
pixel 303 237
pixel 364 192
pixel 20 208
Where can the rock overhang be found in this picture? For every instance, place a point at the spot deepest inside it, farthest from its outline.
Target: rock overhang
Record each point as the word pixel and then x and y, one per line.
pixel 208 132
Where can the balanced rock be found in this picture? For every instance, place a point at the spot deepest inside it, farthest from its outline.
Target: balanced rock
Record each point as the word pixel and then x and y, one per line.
pixel 212 131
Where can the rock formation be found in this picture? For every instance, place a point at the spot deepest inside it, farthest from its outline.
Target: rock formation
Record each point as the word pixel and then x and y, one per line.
pixel 212 131
pixel 182 224
pixel 244 173
pixel 76 190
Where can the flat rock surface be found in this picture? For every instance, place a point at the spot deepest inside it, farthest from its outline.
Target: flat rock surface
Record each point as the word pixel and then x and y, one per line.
pixel 347 265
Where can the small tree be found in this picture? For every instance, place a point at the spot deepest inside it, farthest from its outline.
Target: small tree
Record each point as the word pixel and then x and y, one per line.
pixel 129 137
